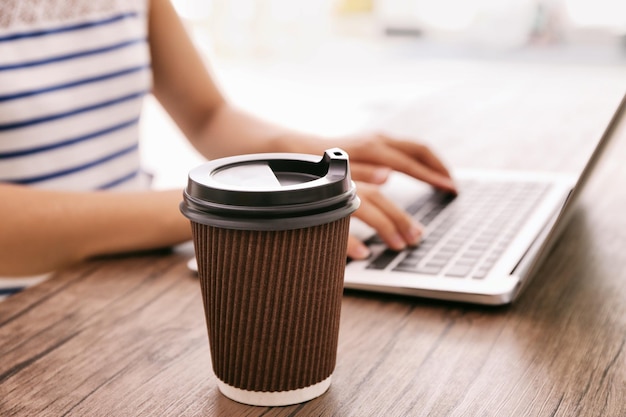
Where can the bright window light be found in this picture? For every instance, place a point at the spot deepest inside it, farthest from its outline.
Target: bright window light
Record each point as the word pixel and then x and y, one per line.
pixel 597 13
pixel 450 15
pixel 193 9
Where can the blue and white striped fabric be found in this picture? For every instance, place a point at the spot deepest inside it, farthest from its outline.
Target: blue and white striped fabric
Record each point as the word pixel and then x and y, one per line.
pixel 73 76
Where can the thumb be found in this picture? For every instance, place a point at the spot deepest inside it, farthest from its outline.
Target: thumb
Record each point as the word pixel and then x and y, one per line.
pixel 356 249
pixel 369 173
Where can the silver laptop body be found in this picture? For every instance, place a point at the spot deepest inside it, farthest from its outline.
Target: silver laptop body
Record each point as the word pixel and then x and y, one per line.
pixel 482 246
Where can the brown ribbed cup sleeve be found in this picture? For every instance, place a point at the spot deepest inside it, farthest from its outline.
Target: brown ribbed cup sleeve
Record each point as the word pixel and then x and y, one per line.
pixel 272 301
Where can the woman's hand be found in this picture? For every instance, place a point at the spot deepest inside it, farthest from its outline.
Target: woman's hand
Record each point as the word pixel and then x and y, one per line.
pixel 394 225
pixel 372 158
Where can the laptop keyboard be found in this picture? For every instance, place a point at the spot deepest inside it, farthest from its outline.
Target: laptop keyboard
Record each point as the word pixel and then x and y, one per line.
pixel 465 234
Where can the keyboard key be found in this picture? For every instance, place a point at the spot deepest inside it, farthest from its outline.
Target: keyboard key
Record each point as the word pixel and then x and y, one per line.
pixel 437 263
pixel 427 270
pixel 383 260
pixel 480 273
pixel 458 271
pixel 408 264
pixel 465 262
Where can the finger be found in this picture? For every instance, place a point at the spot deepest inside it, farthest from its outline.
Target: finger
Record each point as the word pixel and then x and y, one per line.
pixel 357 249
pixel 417 169
pixel 369 173
pixel 420 152
pixel 394 226
pixel 386 155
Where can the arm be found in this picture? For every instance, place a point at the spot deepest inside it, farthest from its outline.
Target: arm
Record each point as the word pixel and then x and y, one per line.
pixel 188 93
pixel 185 89
pixel 44 230
pixel 49 229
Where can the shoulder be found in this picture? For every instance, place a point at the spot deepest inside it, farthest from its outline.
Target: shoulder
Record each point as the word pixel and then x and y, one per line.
pixel 19 15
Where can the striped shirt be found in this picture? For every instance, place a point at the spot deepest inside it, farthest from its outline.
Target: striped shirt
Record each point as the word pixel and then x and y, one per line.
pixel 73 76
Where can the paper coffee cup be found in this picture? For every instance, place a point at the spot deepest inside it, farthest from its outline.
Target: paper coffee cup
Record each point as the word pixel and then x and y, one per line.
pixel 270 234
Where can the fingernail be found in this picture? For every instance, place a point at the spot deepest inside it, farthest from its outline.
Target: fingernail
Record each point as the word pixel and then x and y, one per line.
pixel 450 184
pixel 380 175
pixel 397 242
pixel 362 252
pixel 415 233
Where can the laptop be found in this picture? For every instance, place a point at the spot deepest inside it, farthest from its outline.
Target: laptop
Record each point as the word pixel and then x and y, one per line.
pixel 481 246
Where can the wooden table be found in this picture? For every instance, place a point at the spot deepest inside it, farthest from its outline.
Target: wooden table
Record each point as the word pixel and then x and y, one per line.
pixel 126 336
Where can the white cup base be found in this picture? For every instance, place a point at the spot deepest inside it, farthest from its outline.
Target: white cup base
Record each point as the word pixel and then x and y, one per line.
pixel 271 399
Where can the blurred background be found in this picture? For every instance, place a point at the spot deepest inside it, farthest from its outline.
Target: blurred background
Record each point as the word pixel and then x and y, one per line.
pixel 336 66
pixel 486 28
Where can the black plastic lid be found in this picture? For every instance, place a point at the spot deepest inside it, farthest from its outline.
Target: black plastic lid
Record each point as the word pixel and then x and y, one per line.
pixel 274 191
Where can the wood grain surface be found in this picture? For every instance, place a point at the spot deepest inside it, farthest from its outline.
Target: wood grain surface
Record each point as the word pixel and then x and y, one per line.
pixel 126 336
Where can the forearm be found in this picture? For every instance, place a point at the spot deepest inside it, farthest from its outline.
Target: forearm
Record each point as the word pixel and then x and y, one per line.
pixel 185 88
pixel 45 230
pixel 231 131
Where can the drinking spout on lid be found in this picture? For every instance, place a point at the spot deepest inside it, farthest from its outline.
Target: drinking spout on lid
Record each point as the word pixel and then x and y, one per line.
pixel 337 161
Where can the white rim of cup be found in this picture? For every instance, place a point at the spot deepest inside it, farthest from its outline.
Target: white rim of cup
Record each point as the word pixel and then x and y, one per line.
pixel 276 398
